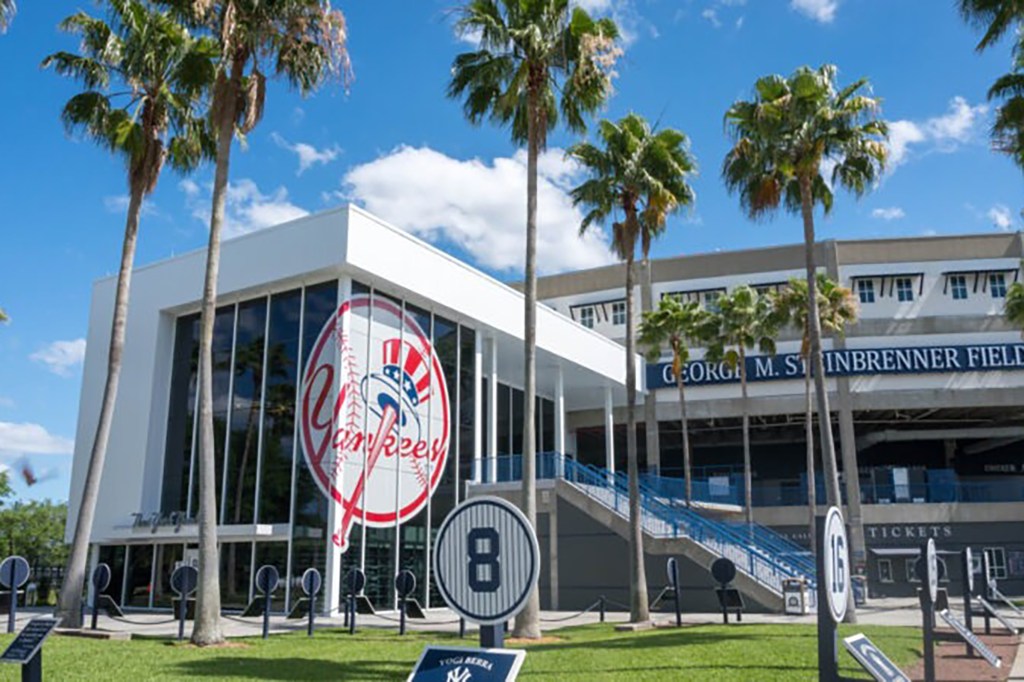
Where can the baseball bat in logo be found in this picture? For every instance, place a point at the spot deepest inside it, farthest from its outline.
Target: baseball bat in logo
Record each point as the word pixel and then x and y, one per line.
pixel 374 415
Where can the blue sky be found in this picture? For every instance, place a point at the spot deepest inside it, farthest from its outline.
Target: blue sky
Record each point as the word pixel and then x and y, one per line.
pixel 396 145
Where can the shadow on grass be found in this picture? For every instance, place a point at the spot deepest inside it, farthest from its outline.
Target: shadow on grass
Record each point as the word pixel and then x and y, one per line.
pixel 292 669
pixel 673 638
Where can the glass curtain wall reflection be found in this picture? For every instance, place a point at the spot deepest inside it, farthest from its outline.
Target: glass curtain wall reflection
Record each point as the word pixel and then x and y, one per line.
pixel 260 347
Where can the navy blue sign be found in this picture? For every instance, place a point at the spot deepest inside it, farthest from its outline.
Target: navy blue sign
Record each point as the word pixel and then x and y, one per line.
pixel 873 660
pixel 849 362
pixel 455 664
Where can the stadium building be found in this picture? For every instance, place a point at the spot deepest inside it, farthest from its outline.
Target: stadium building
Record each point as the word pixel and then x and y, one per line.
pixel 365 383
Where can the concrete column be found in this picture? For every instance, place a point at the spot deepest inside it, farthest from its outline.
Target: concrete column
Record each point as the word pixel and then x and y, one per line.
pixel 851 476
pixel 553 552
pixel 560 441
pixel 609 430
pixel 492 412
pixel 478 372
pixel 332 578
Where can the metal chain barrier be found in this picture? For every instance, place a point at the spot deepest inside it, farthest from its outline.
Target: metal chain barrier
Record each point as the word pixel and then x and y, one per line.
pixel 575 615
pixel 140 622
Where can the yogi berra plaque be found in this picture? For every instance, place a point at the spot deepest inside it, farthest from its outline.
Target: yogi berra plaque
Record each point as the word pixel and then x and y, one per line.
pixel 374 415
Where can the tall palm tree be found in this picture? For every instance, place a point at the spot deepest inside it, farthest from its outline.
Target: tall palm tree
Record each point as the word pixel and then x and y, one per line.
pixel 1013 306
pixel 676 326
pixel 8 8
pixel 995 17
pixel 536 60
pixel 637 179
pixel 303 41
pixel 742 320
pixel 791 130
pixel 143 76
pixel 837 309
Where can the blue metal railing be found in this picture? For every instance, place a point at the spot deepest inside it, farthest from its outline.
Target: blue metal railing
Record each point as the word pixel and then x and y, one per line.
pixel 756 551
pixel 942 485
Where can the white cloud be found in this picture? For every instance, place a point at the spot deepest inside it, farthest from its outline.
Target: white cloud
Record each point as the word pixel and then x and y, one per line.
pixel 1000 216
pixel 309 155
pixel 890 213
pixel 26 438
pixel 711 14
pixel 480 206
pixel 945 133
pixel 61 356
pixel 823 11
pixel 246 209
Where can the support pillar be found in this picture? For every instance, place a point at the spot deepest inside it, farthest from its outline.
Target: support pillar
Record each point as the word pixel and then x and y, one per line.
pixel 492 412
pixel 560 441
pixel 478 372
pixel 553 552
pixel 332 576
pixel 609 431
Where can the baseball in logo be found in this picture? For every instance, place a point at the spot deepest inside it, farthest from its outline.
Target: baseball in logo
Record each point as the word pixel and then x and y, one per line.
pixel 374 415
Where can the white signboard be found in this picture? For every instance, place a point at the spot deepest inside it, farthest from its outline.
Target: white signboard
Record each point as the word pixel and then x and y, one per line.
pixel 486 560
pixel 932 568
pixel 837 564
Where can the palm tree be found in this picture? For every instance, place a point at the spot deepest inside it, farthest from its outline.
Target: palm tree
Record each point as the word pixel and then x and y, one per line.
pixel 305 42
pixel 676 326
pixel 1013 306
pixel 3 316
pixel 143 76
pixel 8 8
pixel 996 18
pixel 837 308
pixel 742 320
pixel 783 137
pixel 643 175
pixel 536 60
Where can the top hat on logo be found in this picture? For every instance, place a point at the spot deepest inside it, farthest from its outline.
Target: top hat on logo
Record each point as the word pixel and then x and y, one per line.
pixel 402 384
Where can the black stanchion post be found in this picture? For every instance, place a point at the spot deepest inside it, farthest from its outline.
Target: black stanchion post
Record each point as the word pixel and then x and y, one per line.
pixel 401 616
pixel 675 591
pixel 352 614
pixel 725 608
pixel 94 607
pixel 312 612
pixel 828 650
pixel 967 580
pixel 462 628
pixel 603 606
pixel 492 636
pixel 266 615
pixel 182 611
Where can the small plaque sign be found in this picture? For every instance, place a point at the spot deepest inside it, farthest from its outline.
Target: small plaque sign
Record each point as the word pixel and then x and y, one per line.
pixel 25 646
pixel 873 660
pixel 985 604
pixel 970 638
pixel 448 664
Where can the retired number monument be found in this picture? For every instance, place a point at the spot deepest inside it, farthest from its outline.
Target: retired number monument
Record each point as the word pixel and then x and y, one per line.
pixel 486 563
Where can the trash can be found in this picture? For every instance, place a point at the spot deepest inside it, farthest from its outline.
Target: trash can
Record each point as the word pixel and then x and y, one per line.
pixel 795 597
pixel 859 586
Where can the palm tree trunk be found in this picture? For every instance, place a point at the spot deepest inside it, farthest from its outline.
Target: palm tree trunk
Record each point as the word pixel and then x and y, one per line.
pixel 687 471
pixel 653 440
pixel 639 608
pixel 828 446
pixel 528 621
pixel 207 628
pixel 69 604
pixel 809 437
pixel 748 484
pixel 828 449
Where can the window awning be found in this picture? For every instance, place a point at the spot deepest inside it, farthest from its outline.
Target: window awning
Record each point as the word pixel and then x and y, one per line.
pixel 903 551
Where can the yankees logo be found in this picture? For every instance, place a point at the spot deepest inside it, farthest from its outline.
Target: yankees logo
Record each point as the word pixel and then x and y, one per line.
pixel 374 415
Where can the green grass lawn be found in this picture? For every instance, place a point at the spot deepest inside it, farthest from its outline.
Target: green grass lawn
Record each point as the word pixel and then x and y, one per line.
pixel 595 652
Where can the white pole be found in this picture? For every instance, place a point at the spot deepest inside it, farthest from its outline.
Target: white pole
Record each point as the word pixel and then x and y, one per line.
pixel 609 431
pixel 560 448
